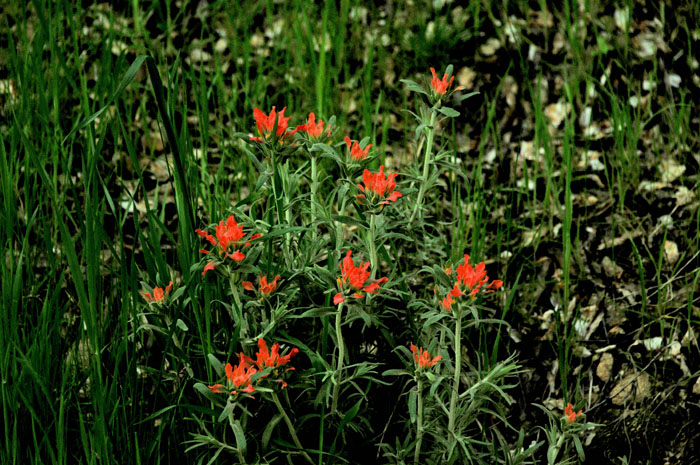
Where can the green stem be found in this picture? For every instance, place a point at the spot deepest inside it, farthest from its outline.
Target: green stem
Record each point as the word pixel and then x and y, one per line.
pixel 238 306
pixel 339 226
pixel 314 193
pixel 458 367
pixel 429 131
pixel 277 199
pixel 287 210
pixel 291 429
pixel 419 433
pixel 372 245
pixel 320 434
pixel 341 356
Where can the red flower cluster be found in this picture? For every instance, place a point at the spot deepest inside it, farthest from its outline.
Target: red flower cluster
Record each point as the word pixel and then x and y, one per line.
pixel 570 414
pixel 379 185
pixel 229 237
pixel 271 359
pixel 354 278
pixel 422 358
pixel 265 287
pixel 314 129
pixel 237 378
pixel 440 86
pixel 158 294
pixel 266 125
pixel 356 153
pixel 472 280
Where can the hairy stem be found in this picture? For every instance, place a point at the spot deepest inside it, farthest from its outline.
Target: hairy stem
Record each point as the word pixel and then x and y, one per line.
pixel 341 356
pixel 429 131
pixel 419 433
pixel 458 367
pixel 290 427
pixel 238 306
pixel 314 193
pixel 372 245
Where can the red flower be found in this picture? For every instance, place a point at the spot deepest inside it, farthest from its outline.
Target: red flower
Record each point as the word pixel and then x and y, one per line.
pixel 312 128
pixel 570 414
pixel 472 280
pixel 237 378
pixel 229 237
pixel 422 358
pixel 216 389
pixel 158 294
pixel 354 278
pixel 356 153
pixel 378 185
pixel 440 86
pixel 271 359
pixel 266 124
pixel 447 302
pixel 265 287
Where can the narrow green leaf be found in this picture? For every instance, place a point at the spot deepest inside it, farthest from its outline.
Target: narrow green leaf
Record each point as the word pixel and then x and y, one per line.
pixel 450 112
pixel 241 443
pixel 267 433
pixel 412 404
pixel 396 372
pixel 218 366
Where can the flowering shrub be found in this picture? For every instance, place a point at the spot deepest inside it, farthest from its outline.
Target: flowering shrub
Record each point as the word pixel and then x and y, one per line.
pixel 308 221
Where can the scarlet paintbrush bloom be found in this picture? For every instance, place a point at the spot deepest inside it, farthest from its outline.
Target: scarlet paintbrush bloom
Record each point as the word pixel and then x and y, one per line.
pixel 265 287
pixel 237 378
pixel 379 187
pixel 271 359
pixel 312 128
pixel 158 293
pixel 228 240
pixel 266 125
pixel 570 414
pixel 471 280
pixel 447 302
pixel 353 280
pixel 440 86
pixel 422 358
pixel 356 153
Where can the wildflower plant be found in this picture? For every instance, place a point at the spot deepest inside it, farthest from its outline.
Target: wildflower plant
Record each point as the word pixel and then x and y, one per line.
pixel 564 433
pixel 319 196
pixel 159 294
pixel 429 115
